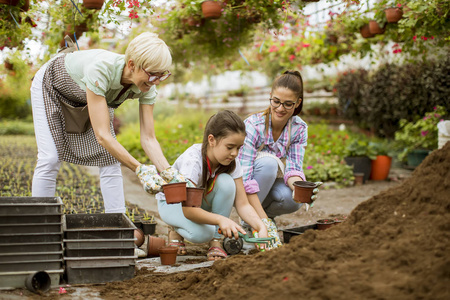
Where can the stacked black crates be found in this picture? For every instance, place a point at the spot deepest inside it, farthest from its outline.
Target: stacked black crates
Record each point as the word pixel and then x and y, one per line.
pixel 98 248
pixel 31 236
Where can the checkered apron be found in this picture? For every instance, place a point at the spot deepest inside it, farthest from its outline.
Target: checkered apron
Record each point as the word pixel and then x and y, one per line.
pixel 77 148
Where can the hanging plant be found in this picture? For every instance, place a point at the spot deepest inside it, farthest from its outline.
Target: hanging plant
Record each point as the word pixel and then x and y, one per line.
pixel 393 14
pixel 212 9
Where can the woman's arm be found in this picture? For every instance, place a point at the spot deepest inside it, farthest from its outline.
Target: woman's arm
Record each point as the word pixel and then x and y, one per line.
pixel 198 215
pixel 99 116
pixel 247 211
pixel 148 138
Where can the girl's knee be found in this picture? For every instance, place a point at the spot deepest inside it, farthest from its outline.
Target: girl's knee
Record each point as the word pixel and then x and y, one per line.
pixel 225 184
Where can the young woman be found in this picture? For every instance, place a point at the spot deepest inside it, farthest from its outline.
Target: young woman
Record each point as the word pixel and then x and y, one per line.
pixel 73 99
pixel 273 151
pixel 213 166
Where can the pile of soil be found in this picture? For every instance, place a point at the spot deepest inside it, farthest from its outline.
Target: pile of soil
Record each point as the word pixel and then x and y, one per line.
pixel 393 246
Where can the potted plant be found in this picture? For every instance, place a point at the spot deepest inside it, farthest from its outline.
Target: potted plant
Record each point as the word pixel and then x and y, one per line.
pixel 418 138
pixel 148 224
pixel 381 165
pixel 359 155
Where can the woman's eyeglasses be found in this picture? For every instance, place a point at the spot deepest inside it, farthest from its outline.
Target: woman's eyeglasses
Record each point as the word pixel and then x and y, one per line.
pixel 287 104
pixel 162 77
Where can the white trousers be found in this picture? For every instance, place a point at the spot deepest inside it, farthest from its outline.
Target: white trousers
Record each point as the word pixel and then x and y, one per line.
pixel 48 164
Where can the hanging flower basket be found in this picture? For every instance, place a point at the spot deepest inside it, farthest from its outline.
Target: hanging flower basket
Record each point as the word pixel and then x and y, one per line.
pixel 393 14
pixel 375 28
pixel 365 31
pixel 24 7
pixel 212 9
pixel 93 4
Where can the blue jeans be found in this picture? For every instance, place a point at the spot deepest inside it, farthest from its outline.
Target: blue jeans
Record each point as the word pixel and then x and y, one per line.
pixel 275 196
pixel 220 201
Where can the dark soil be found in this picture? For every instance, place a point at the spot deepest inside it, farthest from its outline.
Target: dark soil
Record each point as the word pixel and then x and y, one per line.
pixel 392 246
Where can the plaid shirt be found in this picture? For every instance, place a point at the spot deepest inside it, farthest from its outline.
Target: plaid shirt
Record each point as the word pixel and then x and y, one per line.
pixel 255 128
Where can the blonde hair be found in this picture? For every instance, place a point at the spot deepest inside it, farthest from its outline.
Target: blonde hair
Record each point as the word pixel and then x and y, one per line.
pixel 149 53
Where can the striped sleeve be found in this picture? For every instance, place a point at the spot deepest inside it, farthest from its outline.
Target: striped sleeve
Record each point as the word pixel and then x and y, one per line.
pixel 296 152
pixel 247 155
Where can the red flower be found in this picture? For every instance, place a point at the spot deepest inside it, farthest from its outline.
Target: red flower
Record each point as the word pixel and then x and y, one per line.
pixel 291 57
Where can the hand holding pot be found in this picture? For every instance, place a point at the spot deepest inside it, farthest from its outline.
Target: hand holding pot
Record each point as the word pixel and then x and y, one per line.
pixel 273 232
pixel 171 175
pixel 150 180
pixel 314 194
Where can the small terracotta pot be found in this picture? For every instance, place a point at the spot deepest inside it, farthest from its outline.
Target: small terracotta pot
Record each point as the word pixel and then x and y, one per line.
pixel 211 9
pixel 194 197
pixel 381 167
pixel 324 223
pixel 393 14
pixel 154 243
pixel 175 192
pixel 365 32
pixel 303 191
pixel 93 4
pixel 168 255
pixel 375 28
pixel 359 178
pixel 140 238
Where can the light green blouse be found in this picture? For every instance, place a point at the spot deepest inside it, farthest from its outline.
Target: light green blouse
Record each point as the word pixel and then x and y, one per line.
pixel 101 71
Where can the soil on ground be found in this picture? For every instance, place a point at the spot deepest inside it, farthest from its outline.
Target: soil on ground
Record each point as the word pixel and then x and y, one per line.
pixel 393 246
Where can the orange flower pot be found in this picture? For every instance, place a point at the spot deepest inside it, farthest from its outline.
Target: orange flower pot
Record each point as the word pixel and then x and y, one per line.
pixel 375 28
pixel 393 14
pixel 175 192
pixel 381 167
pixel 212 9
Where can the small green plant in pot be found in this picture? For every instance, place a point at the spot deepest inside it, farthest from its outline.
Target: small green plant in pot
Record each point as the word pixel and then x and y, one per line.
pixel 419 137
pixel 360 154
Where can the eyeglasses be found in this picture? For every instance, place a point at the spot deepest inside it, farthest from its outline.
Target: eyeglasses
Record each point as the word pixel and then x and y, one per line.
pixel 153 78
pixel 287 105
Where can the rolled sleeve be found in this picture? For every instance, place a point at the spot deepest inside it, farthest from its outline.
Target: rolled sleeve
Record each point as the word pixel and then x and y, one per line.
pixel 290 174
pixel 149 97
pixel 251 186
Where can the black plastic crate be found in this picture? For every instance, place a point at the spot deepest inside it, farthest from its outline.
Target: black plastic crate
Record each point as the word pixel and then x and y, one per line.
pixel 98 244
pixel 30 256
pixel 30 205
pixel 288 233
pixel 83 270
pixel 30 265
pixel 98 226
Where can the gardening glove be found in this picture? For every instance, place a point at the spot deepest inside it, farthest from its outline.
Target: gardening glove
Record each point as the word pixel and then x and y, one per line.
pixel 313 197
pixel 150 180
pixel 171 175
pixel 273 232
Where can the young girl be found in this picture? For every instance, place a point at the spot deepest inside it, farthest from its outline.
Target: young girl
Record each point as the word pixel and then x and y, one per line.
pixel 213 166
pixel 273 151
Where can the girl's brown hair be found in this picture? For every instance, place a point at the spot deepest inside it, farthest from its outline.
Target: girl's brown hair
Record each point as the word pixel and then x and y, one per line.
pixel 220 125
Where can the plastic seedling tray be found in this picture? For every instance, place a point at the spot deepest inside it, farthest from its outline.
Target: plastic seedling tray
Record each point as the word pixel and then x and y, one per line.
pixel 30 205
pixel 27 219
pixel 291 232
pixel 30 256
pixel 31 228
pixel 13 280
pixel 95 252
pixel 30 265
pixel 25 247
pixel 98 226
pixel 98 243
pixel 28 238
pixel 99 269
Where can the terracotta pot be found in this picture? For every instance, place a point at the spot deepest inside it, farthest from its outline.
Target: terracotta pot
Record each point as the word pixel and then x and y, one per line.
pixel 194 197
pixel 140 238
pixel 324 224
pixel 175 192
pixel 359 178
pixel 93 4
pixel 380 167
pixel 211 9
pixel 154 243
pixel 365 32
pixel 375 28
pixel 303 191
pixel 393 14
pixel 168 255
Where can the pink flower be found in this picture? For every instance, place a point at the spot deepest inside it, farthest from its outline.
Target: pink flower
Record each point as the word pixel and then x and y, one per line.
pixel 291 57
pixel 435 108
pixel 424 132
pixel 309 167
pixel 273 48
pixel 305 45
pixel 414 38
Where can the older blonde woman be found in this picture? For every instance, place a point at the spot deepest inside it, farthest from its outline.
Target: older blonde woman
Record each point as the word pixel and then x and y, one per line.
pixel 73 100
